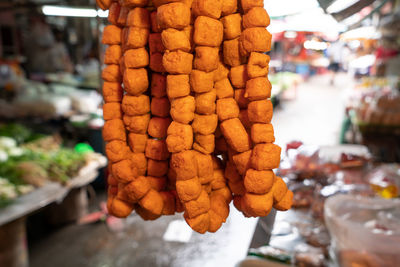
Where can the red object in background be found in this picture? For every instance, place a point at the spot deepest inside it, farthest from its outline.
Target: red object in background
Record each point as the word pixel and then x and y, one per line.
pixel 294 145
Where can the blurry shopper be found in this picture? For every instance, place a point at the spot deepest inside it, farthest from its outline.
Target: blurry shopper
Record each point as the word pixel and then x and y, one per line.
pixel 335 54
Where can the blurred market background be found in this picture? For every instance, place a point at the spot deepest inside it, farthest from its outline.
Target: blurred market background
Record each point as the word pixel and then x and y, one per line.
pixel 335 68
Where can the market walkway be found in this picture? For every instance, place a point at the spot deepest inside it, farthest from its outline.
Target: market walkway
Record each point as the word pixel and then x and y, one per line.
pixel 314 117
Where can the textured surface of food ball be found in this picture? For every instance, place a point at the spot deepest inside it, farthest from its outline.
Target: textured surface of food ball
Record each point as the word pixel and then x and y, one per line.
pixel 219 180
pixel 114 130
pixel 221 72
pixel 136 58
pixel 157 168
pixel 237 187
pixel 117 150
pixel 123 15
pixel 137 142
pixel 278 189
pixel 197 206
pixel 137 124
pixel 255 40
pixel 235 134
pixel 173 15
pixel 121 209
pixel 160 107
pixel 262 133
pixel 158 85
pixel 227 108
pixel 208 8
pixel 260 111
pixel 152 202
pixel 112 111
pixel 180 137
pixel 135 3
pixel 205 124
pixel 136 37
pixel 158 3
pixel 139 187
pixel 215 221
pixel 248 4
pixel 223 88
pixel 158 127
pixel 206 58
pixel 265 157
pixel 219 206
pixel 205 102
pixel 111 73
pixel 229 7
pixel 123 171
pixel 175 40
pixel 182 109
pixel 242 161
pixel 238 76
pixel 157 149
pixel 224 192
pixel 124 195
pixel 240 99
pixel 112 92
pixel 200 223
pixel 136 105
pixel 113 54
pixel 104 4
pixel 156 62
pixel 256 17
pixel 155 43
pixel 139 162
pixel 232 26
pixel 145 214
pixel 157 183
pixel 204 28
pixel 258 89
pixel 201 82
pixel 204 143
pixel 258 182
pixel 113 13
pixel 184 165
pixel 286 202
pixel 138 17
pixel 111 35
pixel 177 62
pixel 178 86
pixel 135 81
pixel 169 203
pixel 232 56
pixel 258 205
pixel 188 189
pixel 205 171
pixel 244 118
pixel 258 65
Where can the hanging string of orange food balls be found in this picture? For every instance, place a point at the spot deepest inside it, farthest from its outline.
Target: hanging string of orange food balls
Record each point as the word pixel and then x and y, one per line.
pixel 188 111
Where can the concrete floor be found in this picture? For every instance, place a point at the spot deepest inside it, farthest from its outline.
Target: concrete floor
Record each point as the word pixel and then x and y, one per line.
pixel 314 117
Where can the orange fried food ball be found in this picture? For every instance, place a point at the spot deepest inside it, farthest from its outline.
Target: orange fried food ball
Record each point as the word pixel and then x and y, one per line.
pixel 180 137
pixel 113 13
pixel 224 192
pixel 121 209
pixel 138 17
pixel 205 124
pixel 173 15
pixel 278 189
pixel 145 214
pixel 188 30
pixel 224 88
pixel 135 81
pixel 201 82
pixel 153 202
pixel 204 143
pixel 188 189
pixel 228 7
pixel 136 58
pixel 158 85
pixel 262 133
pixel 256 17
pixel 155 43
pixel 175 40
pixel 160 107
pixel 258 89
pixel 260 111
pixel 157 168
pixel 154 23
pixel 206 58
pixel 255 40
pixel 178 86
pixel 231 173
pixel 265 156
pixel 112 111
pixel 205 170
pixel 242 161
pixel 219 205
pixel 184 165
pixel 136 105
pixel 208 8
pixel 156 64
pixel 111 73
pixel 124 195
pixel 204 28
pixel 123 15
pixel 169 203
pixel 123 171
pixel 104 4
pixel 258 65
pixel 158 127
pixel 232 26
pixel 112 92
pixel 200 223
pixel 135 3
pixel 238 76
pixel 244 118
pixel 137 142
pixel 258 205
pixel 205 102
pixel 157 183
pixel 197 206
pixel 231 51
pixel 227 108
pixel 114 130
pixel 221 72
pixel 248 4
pixel 259 182
pixel 177 62
pixel 138 188
pixel 157 149
pixel 182 109
pixel 139 162
pixel 111 35
pixel 113 54
pixel 240 99
pixel 235 135
pixel 207 188
pixel 137 124
pixel 136 37
pixel 219 180
pixel 286 202
pixel 117 150
pixel 237 187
